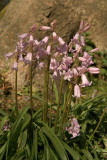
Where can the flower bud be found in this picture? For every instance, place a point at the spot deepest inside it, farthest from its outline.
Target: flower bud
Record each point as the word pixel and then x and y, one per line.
pixel 94 50
pixel 15 66
pixel 8 55
pixel 94 70
pixel 33 28
pixel 23 36
pixel 45 28
pixel 81 25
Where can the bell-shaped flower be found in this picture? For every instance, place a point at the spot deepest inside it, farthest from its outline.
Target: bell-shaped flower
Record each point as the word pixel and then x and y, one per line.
pixel 15 66
pixel 44 40
pixel 76 38
pixel 8 55
pixel 55 74
pixel 81 25
pixel 74 129
pixel 53 64
pixel 61 41
pixel 94 50
pixel 85 81
pixel 68 75
pixel 55 37
pixel 86 28
pixel 82 41
pixel 45 28
pixel 75 72
pixel 33 28
pixel 41 65
pixel 53 24
pixel 48 49
pixel 67 60
pixel 78 48
pixel 23 36
pixel 20 58
pixel 29 57
pixel 31 40
pixel 77 92
pixel 94 70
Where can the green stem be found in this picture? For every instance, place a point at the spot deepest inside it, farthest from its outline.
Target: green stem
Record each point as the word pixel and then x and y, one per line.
pixel 51 104
pixel 65 105
pixel 69 105
pixel 46 90
pixel 98 123
pixel 16 106
pixel 57 114
pixel 31 103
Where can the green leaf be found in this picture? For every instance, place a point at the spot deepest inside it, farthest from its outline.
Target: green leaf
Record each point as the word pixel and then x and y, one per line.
pixel 37 112
pixel 2 151
pixel 56 143
pixel 26 121
pixel 87 154
pixel 3 113
pixel 3 122
pixel 14 134
pixel 73 153
pixel 94 151
pixel 46 145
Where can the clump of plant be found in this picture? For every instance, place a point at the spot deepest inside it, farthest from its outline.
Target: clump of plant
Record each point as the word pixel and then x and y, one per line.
pixel 34 135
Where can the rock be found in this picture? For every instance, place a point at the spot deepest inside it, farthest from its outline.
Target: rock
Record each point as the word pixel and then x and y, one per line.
pixel 20 15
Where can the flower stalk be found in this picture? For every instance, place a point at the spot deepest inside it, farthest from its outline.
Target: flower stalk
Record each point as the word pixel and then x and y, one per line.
pixel 46 90
pixel 31 103
pixel 98 124
pixel 16 105
pixel 59 100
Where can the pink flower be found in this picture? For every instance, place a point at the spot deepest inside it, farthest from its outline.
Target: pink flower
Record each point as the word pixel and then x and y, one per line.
pixel 94 70
pixel 8 55
pixel 68 75
pixel 94 50
pixel 82 59
pixel 67 60
pixel 74 129
pixel 48 49
pixel 55 73
pixel 41 65
pixel 53 64
pixel 77 92
pixel 82 41
pixel 44 40
pixel 53 24
pixel 75 38
pixel 81 25
pixel 23 36
pixel 86 28
pixel 85 81
pixel 45 28
pixel 31 40
pixel 20 58
pixel 55 37
pixel 75 73
pixel 29 57
pixel 33 28
pixel 61 41
pixel 15 66
pixel 78 48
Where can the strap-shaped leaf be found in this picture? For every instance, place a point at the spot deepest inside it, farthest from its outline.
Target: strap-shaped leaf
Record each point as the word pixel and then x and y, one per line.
pixel 56 143
pixel 73 153
pixel 87 154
